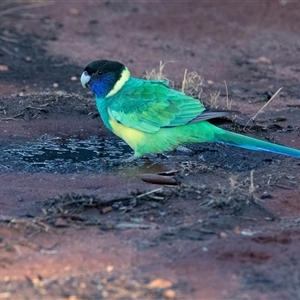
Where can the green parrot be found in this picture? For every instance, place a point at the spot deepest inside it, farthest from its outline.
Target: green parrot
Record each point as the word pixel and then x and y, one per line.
pixel 151 117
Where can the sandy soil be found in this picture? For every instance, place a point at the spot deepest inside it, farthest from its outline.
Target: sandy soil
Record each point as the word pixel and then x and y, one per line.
pixel 228 229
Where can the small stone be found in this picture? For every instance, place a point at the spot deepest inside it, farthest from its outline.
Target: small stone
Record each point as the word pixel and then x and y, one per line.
pixel 159 283
pixel 5 295
pixel 247 232
pixel 28 58
pixel 82 285
pixel 266 195
pixel 67 268
pixel 105 294
pixel 153 204
pixel 60 222
pixel 109 268
pixel 237 230
pixel 42 291
pixel 55 85
pixel 73 78
pixel 3 68
pixel 223 234
pixel 36 282
pixel 106 209
pixel 264 60
pixel 74 12
pixel 170 294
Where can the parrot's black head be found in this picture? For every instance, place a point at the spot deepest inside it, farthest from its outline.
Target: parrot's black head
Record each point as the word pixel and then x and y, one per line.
pixel 104 77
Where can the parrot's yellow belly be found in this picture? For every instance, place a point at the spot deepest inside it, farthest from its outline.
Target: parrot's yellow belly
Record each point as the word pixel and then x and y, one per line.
pixel 132 137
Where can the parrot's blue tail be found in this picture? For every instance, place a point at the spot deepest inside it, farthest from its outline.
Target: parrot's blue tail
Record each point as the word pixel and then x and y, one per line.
pixel 241 141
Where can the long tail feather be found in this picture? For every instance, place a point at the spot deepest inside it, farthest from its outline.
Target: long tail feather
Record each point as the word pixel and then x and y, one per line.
pixel 241 141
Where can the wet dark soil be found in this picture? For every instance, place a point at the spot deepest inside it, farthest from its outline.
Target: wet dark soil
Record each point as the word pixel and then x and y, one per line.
pixel 78 221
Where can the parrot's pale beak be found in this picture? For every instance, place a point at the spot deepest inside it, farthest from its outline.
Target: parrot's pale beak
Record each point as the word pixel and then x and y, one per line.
pixel 85 78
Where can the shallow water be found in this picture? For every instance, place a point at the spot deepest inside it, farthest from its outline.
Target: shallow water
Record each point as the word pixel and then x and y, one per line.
pixel 55 155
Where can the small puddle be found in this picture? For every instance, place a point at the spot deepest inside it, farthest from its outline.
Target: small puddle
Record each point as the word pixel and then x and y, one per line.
pixel 55 155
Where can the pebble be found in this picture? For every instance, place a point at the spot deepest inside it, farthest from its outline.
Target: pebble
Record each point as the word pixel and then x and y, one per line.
pixel 109 268
pixel 3 68
pixel 74 12
pixel 266 195
pixel 159 283
pixel 170 294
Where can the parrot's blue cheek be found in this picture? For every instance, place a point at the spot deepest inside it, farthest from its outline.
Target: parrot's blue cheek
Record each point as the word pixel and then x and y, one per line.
pixel 102 87
pixel 98 89
pixel 94 88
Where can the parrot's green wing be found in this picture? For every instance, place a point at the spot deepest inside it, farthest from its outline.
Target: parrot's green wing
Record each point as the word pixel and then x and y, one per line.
pixel 151 105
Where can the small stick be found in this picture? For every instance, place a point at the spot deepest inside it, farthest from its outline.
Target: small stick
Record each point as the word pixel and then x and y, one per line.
pixel 251 187
pixel 148 193
pixel 282 186
pixel 21 7
pixel 8 39
pixel 278 91
pixel 184 81
pixel 228 103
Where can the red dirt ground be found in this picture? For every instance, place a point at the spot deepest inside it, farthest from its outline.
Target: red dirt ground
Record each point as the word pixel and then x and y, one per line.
pixel 64 235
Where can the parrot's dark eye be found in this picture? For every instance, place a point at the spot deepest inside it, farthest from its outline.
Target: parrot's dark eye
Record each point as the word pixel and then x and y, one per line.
pixel 100 73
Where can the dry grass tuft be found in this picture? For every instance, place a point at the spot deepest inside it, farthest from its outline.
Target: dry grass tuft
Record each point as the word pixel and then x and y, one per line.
pixel 235 193
pixel 228 101
pixel 213 99
pixel 192 167
pixel 159 75
pixel 192 84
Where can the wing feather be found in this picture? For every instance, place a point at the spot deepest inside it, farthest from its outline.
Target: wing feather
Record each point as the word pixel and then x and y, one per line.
pixel 151 105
